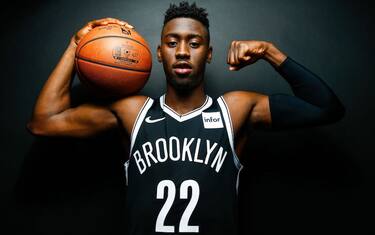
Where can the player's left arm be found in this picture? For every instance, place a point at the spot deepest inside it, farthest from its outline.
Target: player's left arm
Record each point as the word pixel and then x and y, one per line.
pixel 314 102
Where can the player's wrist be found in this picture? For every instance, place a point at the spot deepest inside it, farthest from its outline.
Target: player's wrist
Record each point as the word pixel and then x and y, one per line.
pixel 72 43
pixel 273 55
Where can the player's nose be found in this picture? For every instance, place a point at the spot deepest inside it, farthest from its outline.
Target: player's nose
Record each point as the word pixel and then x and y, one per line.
pixel 182 51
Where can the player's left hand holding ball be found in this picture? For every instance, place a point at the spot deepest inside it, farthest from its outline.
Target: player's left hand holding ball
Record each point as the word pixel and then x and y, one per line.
pixel 96 23
pixel 242 53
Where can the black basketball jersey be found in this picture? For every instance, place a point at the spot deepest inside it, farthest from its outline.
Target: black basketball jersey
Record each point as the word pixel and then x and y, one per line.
pixel 182 173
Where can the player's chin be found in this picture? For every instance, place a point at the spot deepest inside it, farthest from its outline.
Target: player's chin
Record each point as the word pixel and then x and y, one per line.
pixel 183 84
pixel 183 78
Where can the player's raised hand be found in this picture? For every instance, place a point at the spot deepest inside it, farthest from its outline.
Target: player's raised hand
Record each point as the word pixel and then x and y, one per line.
pixel 242 53
pixel 95 23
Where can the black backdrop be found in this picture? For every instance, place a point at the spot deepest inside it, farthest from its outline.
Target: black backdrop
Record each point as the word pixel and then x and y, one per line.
pixel 307 181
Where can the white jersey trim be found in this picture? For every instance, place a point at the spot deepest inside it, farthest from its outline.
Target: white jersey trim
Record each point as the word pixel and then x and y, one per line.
pixel 229 127
pixel 137 124
pixel 186 116
pixel 138 121
pixel 238 178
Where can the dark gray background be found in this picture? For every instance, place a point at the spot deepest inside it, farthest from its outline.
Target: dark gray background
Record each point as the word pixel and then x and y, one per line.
pixel 308 181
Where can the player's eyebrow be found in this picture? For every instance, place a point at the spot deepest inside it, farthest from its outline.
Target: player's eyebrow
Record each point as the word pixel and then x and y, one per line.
pixel 191 35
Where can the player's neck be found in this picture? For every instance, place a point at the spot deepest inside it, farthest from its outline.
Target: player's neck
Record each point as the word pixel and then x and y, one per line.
pixel 185 102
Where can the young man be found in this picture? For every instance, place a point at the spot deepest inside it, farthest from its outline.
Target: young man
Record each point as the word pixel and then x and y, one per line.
pixel 185 147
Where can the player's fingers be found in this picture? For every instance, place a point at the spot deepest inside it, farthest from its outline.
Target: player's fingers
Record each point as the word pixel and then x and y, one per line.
pixel 232 65
pixel 242 55
pixel 123 23
pixel 231 58
pixel 129 25
pixel 232 53
pixel 120 22
pixel 233 68
pixel 236 52
pixel 98 22
pixel 109 20
pixel 229 53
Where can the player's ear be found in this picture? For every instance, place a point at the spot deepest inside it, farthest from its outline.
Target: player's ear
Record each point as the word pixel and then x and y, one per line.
pixel 209 55
pixel 159 53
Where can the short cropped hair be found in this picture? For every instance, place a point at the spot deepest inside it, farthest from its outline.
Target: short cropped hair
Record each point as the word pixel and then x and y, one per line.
pixel 188 11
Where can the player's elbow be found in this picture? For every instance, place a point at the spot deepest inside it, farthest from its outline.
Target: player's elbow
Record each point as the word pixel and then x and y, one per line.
pixel 35 128
pixel 41 127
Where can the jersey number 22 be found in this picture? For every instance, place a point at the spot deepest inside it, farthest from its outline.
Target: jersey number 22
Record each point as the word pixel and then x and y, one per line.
pixel 171 189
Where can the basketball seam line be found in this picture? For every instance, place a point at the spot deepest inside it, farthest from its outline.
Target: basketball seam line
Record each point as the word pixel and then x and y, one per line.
pixel 113 66
pixel 115 37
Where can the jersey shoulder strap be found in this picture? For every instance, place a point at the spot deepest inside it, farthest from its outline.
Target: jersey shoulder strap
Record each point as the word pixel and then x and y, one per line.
pixel 138 121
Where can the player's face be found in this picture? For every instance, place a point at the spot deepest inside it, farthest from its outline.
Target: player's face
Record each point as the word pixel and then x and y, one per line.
pixel 184 51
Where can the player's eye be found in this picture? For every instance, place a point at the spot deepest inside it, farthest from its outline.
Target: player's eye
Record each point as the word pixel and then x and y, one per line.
pixel 194 44
pixel 171 44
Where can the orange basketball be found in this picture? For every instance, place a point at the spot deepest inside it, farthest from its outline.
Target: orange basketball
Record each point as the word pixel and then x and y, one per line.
pixel 113 61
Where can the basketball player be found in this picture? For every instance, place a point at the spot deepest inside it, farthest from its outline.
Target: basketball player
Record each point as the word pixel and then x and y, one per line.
pixel 185 146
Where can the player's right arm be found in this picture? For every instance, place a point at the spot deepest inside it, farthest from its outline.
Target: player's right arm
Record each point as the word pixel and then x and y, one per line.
pixel 88 120
pixel 53 114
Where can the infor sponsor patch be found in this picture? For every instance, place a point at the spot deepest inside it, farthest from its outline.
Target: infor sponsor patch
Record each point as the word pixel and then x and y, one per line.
pixel 212 120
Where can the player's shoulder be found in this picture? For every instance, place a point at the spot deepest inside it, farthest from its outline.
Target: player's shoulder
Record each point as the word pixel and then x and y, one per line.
pixel 129 104
pixel 240 105
pixel 126 109
pixel 237 97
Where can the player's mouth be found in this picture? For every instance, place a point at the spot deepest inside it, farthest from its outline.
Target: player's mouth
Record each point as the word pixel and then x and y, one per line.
pixel 182 68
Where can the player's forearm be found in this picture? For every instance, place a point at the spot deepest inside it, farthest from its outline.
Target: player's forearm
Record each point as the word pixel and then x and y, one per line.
pixel 55 94
pixel 307 85
pixel 314 102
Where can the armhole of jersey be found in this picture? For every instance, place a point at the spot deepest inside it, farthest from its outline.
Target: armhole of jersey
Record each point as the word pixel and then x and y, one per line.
pixel 230 132
pixel 138 121
pixel 137 124
pixel 229 128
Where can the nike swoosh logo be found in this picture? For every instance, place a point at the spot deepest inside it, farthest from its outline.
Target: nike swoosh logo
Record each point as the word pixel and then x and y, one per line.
pixel 148 119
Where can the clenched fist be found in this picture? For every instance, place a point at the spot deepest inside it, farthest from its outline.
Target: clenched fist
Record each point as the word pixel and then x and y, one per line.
pixel 242 53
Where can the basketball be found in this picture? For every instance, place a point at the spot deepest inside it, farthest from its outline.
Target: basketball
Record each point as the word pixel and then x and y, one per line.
pixel 113 61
